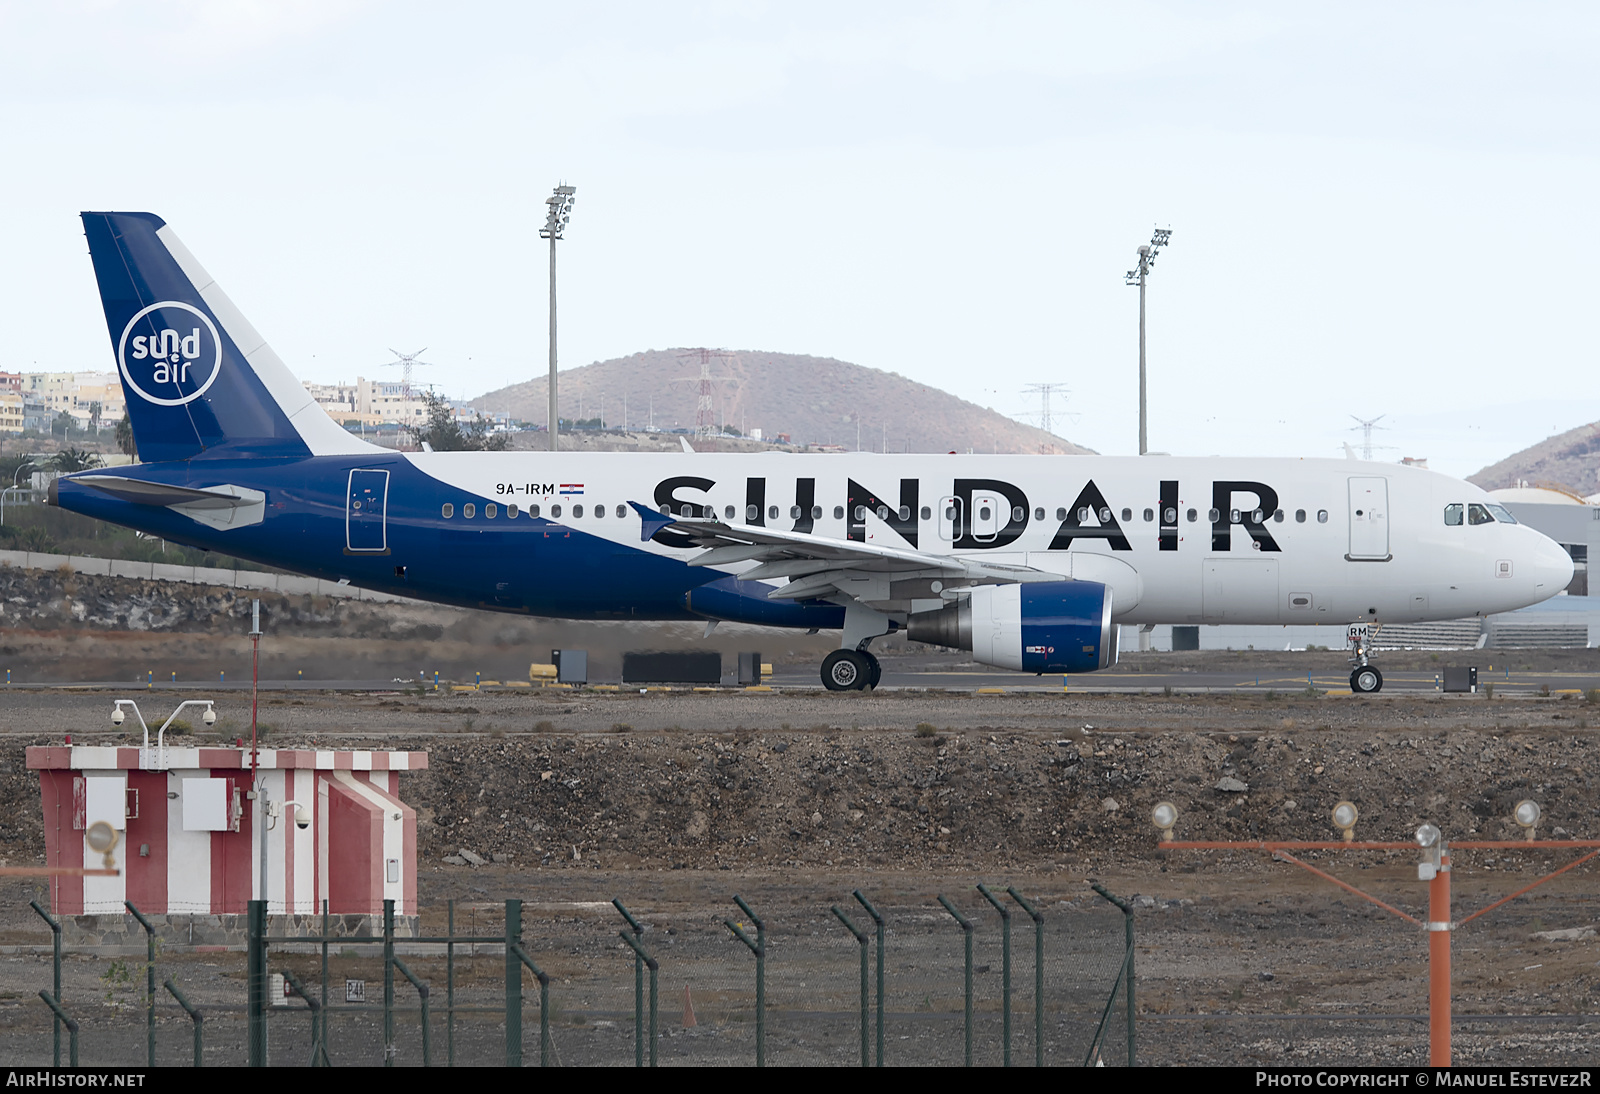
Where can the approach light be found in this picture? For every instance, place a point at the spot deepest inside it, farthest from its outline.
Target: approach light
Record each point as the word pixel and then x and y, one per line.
pixel 116 716
pixel 1164 816
pixel 1527 814
pixel 1427 836
pixel 1345 815
pixel 102 840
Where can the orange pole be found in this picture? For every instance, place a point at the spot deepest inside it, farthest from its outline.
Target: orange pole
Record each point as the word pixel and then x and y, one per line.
pixel 1439 965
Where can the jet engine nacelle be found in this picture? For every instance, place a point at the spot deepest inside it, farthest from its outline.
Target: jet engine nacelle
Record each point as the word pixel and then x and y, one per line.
pixel 1042 626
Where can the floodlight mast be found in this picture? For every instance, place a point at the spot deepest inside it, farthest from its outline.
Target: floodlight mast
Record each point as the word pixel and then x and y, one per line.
pixel 1137 276
pixel 555 223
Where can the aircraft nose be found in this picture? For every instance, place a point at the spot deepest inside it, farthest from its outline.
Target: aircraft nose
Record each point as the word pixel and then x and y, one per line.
pixel 1550 567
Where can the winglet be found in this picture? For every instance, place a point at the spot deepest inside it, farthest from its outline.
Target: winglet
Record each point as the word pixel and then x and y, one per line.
pixel 650 521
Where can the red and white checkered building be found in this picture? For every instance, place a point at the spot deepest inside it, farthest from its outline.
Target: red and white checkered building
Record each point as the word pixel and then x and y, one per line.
pixel 189 839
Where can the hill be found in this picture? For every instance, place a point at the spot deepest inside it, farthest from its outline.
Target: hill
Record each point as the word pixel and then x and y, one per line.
pixel 1569 460
pixel 814 400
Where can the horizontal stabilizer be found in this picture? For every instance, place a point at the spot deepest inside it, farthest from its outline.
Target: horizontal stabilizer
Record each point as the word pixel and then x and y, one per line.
pixel 140 492
pixel 220 507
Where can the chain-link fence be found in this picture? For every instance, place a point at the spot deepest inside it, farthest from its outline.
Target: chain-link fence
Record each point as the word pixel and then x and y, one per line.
pixel 844 983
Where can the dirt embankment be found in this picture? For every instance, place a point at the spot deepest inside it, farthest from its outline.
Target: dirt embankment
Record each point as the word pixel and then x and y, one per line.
pixel 838 798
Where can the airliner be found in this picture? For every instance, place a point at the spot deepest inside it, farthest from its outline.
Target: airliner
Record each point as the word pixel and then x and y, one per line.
pixel 1028 562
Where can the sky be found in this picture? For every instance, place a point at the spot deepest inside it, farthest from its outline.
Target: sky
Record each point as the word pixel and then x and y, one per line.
pixel 1377 209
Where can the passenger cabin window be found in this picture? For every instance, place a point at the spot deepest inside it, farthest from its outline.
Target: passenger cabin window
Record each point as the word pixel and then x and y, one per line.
pixel 1453 514
pixel 838 512
pixel 794 512
pixel 447 510
pixel 1018 513
pixel 1149 515
pixel 1213 515
pixel 533 512
pixel 1061 514
pixel 1322 516
pixel 772 512
pixel 622 510
pixel 749 512
pixel 1193 515
pixel 927 513
pixel 1479 514
pixel 577 510
pixel 599 511
pixel 1299 516
pixel 1127 514
pixel 1277 516
pixel 512 511
pixel 1038 514
pixel 555 512
pixel 490 510
pixel 816 512
pixel 469 510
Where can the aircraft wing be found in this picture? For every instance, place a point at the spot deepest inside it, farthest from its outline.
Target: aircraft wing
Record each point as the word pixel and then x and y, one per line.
pixel 820 567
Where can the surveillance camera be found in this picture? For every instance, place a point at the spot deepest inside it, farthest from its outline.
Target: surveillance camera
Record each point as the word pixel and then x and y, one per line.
pixel 210 717
pixel 116 716
pixel 302 819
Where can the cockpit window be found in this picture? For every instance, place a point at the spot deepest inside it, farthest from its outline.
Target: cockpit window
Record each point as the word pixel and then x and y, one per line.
pixel 1453 514
pixel 1501 514
pixel 1479 514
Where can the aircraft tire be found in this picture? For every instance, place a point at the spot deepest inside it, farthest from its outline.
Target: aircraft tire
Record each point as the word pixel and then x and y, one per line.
pixel 846 670
pixel 1365 681
pixel 875 670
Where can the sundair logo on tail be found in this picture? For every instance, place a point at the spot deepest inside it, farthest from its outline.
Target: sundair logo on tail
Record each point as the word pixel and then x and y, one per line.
pixel 170 353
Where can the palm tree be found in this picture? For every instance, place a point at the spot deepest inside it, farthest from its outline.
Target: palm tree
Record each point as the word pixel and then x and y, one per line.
pixel 69 460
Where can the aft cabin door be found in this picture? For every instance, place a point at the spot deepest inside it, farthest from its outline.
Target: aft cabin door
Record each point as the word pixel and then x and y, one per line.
pixel 366 513
pixel 1369 520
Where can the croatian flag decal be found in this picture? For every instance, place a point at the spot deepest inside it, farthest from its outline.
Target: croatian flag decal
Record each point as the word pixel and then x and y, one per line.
pixel 572 488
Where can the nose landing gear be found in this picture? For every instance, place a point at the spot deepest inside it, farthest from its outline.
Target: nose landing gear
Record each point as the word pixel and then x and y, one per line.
pixel 1365 679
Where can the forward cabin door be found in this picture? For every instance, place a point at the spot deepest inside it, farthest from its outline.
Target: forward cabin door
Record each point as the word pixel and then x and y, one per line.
pixel 1369 520
pixel 366 513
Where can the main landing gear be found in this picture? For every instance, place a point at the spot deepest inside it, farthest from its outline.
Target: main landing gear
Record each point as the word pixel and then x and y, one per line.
pixel 1365 679
pixel 850 670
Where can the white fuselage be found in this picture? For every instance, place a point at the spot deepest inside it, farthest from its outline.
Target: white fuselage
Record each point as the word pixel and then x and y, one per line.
pixel 1178 540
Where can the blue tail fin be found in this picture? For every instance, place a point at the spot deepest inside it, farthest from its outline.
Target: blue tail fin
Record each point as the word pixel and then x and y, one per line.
pixel 197 376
